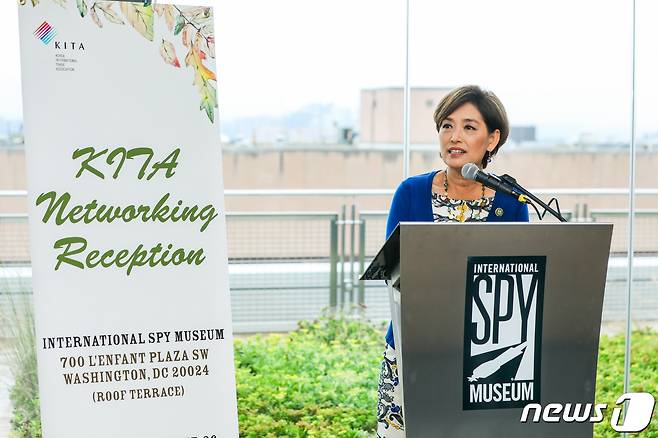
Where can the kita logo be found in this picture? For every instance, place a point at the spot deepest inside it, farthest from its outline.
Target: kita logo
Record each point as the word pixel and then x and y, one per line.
pixel 45 33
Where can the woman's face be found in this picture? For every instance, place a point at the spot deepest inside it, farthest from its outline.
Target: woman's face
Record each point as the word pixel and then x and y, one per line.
pixel 464 138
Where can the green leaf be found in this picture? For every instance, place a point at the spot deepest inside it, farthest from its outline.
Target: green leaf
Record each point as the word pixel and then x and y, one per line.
pixel 180 24
pixel 209 100
pixel 210 111
pixel 82 7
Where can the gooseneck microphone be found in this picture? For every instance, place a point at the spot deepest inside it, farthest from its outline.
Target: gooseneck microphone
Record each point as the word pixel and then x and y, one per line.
pixel 472 172
pixel 508 185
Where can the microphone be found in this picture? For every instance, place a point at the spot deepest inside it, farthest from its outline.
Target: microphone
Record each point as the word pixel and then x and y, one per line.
pixel 472 172
pixel 509 186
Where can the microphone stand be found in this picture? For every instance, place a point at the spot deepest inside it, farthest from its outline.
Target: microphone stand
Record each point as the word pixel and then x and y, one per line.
pixel 510 180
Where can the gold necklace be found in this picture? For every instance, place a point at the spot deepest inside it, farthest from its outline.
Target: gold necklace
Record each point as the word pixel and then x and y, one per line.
pixel 445 185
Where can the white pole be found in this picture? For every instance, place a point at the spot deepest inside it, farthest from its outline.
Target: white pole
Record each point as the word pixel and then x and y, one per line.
pixel 631 222
pixel 405 159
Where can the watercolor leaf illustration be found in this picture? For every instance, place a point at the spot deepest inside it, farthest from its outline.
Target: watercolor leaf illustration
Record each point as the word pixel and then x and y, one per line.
pixel 180 24
pixel 140 17
pixel 94 17
pixel 194 25
pixel 199 19
pixel 209 100
pixel 168 12
pixel 109 13
pixel 202 78
pixel 168 53
pixel 61 3
pixel 82 7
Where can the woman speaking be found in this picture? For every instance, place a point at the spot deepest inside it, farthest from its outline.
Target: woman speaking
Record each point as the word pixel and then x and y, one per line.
pixel 472 126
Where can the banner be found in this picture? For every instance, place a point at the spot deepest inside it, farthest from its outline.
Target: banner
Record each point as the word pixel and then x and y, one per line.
pixel 127 224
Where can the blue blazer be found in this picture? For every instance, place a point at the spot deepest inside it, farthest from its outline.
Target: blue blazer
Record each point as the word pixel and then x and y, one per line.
pixel 412 203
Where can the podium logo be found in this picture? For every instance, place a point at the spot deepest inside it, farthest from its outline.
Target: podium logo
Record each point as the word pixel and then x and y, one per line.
pixel 45 33
pixel 502 331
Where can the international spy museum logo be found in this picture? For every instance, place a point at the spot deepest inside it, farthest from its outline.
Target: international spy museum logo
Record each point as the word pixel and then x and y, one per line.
pixel 502 331
pixel 45 33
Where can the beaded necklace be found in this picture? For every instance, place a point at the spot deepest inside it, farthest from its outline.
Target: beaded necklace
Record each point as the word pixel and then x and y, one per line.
pixel 445 185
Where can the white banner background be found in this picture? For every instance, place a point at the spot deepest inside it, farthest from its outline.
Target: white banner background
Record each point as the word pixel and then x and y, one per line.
pixel 122 94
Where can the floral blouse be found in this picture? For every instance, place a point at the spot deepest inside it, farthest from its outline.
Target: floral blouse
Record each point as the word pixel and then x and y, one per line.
pixel 445 209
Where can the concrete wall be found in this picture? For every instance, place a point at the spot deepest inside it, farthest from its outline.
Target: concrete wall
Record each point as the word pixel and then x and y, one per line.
pixel 346 167
pixel 382 115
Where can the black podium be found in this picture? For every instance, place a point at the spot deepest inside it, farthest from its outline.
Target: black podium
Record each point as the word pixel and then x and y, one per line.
pixel 491 317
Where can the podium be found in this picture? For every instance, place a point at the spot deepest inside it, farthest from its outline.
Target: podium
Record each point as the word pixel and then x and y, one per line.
pixel 491 317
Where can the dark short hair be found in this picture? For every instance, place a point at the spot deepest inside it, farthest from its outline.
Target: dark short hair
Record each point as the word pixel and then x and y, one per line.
pixel 491 108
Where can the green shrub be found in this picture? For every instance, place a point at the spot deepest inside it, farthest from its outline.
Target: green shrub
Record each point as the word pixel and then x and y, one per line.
pixel 320 380
pixel 19 326
pixel 610 376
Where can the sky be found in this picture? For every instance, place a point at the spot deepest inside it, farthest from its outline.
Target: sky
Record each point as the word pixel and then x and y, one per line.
pixel 563 66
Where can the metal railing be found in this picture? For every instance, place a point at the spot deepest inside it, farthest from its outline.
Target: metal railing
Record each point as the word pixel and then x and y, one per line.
pixel 289 266
pixel 388 192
